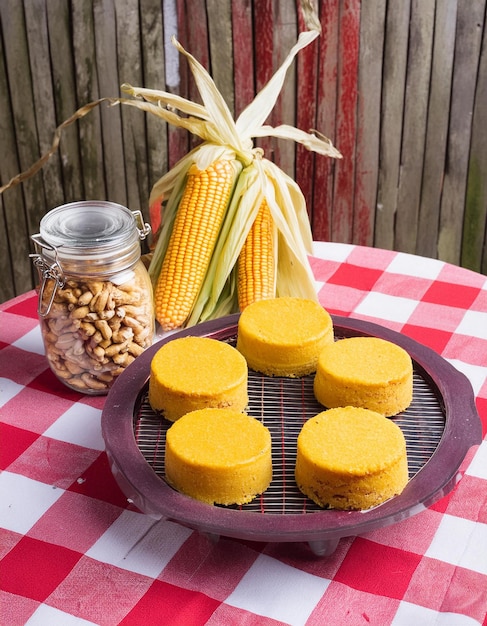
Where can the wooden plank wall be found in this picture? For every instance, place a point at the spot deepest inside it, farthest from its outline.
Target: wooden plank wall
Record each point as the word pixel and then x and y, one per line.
pixel 400 86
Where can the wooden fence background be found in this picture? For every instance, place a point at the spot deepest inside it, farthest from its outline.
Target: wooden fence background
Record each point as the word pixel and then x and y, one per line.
pixel 400 86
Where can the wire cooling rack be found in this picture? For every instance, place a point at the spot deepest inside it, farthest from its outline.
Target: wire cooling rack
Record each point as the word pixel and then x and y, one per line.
pixel 283 405
pixel 439 426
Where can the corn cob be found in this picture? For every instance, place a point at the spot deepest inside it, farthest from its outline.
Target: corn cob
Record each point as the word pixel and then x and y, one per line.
pixel 197 224
pixel 256 273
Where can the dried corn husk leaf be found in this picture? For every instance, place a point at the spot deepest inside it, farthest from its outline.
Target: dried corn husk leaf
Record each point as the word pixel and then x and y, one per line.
pixel 260 178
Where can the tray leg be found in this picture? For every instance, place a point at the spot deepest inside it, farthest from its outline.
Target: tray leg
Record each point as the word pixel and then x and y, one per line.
pixel 323 547
pixel 213 537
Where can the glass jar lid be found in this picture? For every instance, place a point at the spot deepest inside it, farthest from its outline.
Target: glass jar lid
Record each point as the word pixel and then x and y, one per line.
pixel 93 236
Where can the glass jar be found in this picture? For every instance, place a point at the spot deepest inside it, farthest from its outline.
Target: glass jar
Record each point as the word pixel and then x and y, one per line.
pixel 95 296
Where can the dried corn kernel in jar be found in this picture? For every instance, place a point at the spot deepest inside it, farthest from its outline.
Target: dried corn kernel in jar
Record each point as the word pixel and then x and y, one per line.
pixel 95 295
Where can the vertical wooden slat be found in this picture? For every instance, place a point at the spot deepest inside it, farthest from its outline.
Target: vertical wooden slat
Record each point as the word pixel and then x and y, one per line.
pixel 243 57
pixel 474 247
pixel 194 37
pixel 196 42
pixel 437 127
pixel 372 22
pixel 14 33
pixel 284 112
pixel 346 120
pixel 394 79
pixel 219 14
pixel 263 55
pixel 39 57
pixel 178 140
pixel 23 219
pixel 306 105
pixel 64 86
pixel 87 91
pixel 12 229
pixel 414 124
pixel 153 61
pixel 129 63
pixel 108 84
pixel 470 18
pixel 326 118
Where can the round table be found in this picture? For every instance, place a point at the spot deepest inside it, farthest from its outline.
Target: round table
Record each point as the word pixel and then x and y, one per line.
pixel 73 550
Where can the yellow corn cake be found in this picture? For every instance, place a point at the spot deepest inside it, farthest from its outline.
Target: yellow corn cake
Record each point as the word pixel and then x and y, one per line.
pixel 351 458
pixel 191 373
pixel 284 336
pixel 219 456
pixel 365 372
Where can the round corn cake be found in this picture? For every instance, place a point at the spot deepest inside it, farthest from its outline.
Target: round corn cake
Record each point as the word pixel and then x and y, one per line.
pixel 219 456
pixel 284 336
pixel 190 373
pixel 351 458
pixel 366 372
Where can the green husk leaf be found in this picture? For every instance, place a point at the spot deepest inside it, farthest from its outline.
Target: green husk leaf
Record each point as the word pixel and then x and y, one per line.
pixel 294 274
pixel 239 218
pixel 292 204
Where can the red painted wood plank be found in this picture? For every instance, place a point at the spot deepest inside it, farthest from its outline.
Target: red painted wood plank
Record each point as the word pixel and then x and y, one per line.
pixel 178 139
pixel 284 111
pixel 326 118
pixel 193 35
pixel 243 54
pixel 344 188
pixel 263 54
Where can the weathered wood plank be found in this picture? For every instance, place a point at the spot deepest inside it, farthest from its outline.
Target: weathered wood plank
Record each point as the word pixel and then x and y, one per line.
pixel 197 44
pixel 37 36
pixel 179 140
pixel 243 54
pixel 24 218
pixel 394 79
pixel 111 117
pixel 263 56
pixel 326 119
pixel 372 23
pixel 65 104
pixel 14 32
pixel 437 127
pixel 307 81
pixel 154 64
pixel 219 14
pixel 474 251
pixel 470 17
pixel 87 91
pixel 414 123
pixel 284 112
pixel 129 64
pixel 12 230
pixel 344 187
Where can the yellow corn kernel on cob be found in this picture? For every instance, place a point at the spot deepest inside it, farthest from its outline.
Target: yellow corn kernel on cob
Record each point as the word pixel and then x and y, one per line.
pixel 255 278
pixel 195 231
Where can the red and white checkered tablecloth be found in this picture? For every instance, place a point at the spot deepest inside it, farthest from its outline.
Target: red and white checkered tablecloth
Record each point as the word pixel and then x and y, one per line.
pixel 74 551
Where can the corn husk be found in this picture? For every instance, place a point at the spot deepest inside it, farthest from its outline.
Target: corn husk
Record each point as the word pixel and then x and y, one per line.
pixel 260 178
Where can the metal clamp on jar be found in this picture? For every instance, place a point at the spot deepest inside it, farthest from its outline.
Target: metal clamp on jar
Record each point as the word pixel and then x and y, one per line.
pixel 95 295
